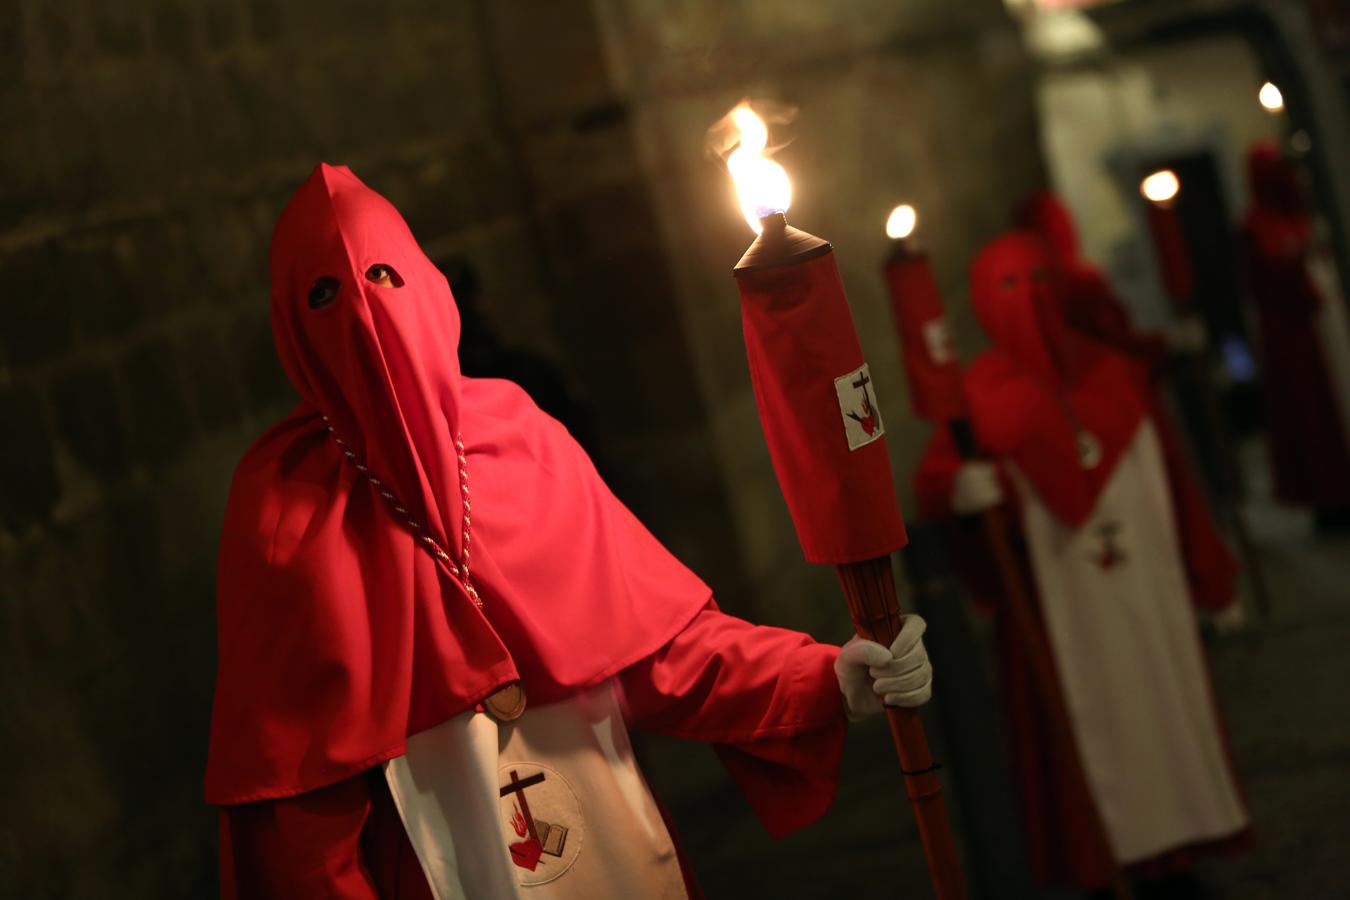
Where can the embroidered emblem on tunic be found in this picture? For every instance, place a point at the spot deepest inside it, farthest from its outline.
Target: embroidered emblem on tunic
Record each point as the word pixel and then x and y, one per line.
pixel 1089 448
pixel 1109 554
pixel 541 821
pixel 857 404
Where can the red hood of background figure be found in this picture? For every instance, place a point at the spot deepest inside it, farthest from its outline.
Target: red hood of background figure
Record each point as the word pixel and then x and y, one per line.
pixel 1042 385
pixel 1015 298
pixel 1045 214
pixel 1273 182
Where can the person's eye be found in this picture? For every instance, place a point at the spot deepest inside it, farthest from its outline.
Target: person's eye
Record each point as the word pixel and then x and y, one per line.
pixel 324 292
pixel 1008 281
pixel 1038 275
pixel 383 275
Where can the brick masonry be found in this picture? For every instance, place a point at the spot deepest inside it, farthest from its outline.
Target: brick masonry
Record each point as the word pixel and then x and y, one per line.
pixel 553 144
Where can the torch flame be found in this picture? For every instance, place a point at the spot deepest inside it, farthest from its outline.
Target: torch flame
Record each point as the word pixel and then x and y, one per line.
pixel 1161 186
pixel 1272 100
pixel 901 222
pixel 762 185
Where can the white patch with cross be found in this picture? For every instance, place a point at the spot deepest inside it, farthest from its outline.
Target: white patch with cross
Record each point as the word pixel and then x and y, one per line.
pixel 858 406
pixel 937 339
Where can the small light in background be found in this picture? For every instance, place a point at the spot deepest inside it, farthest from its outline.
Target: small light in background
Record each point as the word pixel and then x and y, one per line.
pixel 1161 186
pixel 900 223
pixel 1237 358
pixel 1271 98
pixel 1300 142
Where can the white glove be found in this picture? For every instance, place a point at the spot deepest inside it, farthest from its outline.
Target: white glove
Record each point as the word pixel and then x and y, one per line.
pixel 1187 335
pixel 868 672
pixel 976 488
pixel 1232 618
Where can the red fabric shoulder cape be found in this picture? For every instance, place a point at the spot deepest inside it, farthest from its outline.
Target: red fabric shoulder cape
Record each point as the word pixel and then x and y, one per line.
pixel 339 632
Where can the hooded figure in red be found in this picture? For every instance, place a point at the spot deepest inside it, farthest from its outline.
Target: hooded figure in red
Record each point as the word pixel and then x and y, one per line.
pixel 410 561
pixel 1092 308
pixel 1307 413
pixel 1068 424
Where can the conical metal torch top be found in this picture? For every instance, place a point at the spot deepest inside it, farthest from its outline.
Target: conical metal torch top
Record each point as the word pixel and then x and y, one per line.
pixel 779 244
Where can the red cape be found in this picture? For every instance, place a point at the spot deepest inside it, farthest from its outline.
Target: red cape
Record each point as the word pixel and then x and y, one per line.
pixel 339 633
pixel 1309 447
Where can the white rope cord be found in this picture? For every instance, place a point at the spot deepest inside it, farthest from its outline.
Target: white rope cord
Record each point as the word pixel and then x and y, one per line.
pixel 461 569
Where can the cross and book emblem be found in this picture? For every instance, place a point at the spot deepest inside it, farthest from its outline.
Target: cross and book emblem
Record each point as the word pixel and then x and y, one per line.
pixel 537 837
pixel 1109 553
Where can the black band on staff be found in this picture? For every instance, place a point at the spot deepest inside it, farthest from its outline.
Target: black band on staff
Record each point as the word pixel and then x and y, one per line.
pixel 911 774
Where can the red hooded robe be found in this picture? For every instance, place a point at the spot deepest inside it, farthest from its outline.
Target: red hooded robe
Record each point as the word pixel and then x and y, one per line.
pixel 1309 444
pixel 1035 398
pixel 455 541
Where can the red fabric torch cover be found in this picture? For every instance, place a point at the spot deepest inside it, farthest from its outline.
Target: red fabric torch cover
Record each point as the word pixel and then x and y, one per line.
pixel 1173 260
pixel 819 411
pixel 931 367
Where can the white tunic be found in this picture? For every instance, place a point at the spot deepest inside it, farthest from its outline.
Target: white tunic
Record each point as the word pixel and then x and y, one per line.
pixel 549 806
pixel 1118 613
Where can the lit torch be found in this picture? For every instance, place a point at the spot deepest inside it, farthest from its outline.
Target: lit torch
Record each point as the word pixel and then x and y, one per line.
pixel 818 409
pixel 1161 190
pixel 931 367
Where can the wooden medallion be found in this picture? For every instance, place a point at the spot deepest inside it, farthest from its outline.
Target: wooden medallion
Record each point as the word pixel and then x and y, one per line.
pixel 507 703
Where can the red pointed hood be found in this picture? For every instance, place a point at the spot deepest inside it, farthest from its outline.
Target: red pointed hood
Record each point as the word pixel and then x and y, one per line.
pixel 339 631
pixel 1278 220
pixel 382 362
pixel 1043 396
pixel 1273 182
pixel 1045 214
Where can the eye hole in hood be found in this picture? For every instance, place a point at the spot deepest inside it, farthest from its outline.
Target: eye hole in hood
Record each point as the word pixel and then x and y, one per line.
pixel 324 292
pixel 384 276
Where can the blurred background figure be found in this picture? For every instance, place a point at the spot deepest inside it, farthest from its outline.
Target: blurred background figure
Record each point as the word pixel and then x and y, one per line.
pixel 1145 784
pixel 1304 350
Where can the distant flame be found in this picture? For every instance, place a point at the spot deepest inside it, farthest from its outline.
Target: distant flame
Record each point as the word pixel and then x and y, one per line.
pixel 1161 186
pixel 1271 98
pixel 762 186
pixel 901 222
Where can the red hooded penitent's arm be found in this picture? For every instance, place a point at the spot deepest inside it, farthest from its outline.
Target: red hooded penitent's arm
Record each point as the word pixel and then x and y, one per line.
pixel 767 698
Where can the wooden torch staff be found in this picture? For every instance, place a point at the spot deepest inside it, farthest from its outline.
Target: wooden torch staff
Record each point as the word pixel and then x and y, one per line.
pixel 869 587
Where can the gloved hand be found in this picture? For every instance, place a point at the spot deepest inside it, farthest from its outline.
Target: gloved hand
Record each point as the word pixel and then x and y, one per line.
pixel 1232 618
pixel 868 672
pixel 1187 335
pixel 976 488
